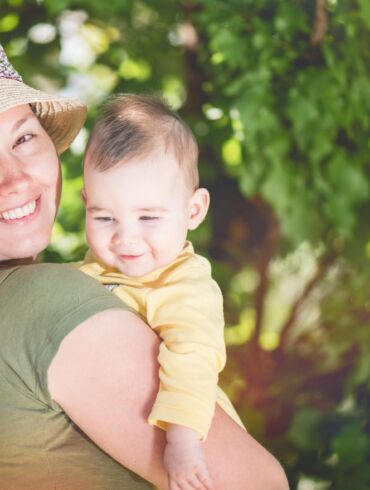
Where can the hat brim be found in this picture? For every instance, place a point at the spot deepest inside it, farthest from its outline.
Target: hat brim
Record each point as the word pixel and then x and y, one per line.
pixel 61 117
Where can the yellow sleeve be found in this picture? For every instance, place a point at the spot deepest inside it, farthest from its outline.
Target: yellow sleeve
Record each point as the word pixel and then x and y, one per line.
pixel 187 313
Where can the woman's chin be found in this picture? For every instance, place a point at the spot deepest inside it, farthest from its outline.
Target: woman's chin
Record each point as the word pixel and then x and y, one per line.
pixel 27 249
pixel 36 246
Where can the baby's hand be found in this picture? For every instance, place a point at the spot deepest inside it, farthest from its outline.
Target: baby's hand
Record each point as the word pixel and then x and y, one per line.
pixel 184 460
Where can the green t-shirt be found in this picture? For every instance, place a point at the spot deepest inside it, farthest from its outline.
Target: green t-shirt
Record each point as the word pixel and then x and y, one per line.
pixel 40 447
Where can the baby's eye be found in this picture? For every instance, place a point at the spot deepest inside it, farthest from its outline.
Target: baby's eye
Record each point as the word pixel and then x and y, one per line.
pixel 148 218
pixel 104 219
pixel 24 139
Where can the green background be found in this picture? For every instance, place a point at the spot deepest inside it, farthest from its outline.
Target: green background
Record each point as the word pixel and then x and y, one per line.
pixel 278 96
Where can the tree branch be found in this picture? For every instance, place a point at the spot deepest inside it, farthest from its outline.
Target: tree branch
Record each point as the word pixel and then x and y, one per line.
pixel 320 273
pixel 321 23
pixel 263 261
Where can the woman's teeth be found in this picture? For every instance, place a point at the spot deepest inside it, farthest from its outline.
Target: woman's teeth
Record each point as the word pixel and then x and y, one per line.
pixel 17 213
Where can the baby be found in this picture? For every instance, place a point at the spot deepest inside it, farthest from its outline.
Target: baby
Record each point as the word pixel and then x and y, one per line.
pixel 142 196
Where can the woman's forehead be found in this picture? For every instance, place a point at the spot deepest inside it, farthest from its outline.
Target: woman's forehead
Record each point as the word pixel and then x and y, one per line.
pixel 13 118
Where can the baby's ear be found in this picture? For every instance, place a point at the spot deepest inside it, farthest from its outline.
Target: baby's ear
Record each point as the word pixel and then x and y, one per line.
pixel 199 204
pixel 83 195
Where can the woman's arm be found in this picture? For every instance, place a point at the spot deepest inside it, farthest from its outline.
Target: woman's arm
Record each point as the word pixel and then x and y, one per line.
pixel 105 377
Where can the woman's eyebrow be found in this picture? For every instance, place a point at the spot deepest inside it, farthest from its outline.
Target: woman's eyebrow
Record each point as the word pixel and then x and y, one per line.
pixel 20 122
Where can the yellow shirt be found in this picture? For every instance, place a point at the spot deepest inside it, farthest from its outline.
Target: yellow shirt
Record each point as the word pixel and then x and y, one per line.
pixel 184 306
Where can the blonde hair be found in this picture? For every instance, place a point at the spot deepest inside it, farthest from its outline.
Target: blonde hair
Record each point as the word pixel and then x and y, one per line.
pixel 134 125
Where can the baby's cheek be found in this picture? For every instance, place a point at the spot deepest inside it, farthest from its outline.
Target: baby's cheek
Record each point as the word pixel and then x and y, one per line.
pixel 159 242
pixel 102 241
pixel 95 238
pixel 89 233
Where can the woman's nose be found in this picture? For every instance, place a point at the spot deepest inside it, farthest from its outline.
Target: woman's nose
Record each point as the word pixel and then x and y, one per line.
pixel 13 180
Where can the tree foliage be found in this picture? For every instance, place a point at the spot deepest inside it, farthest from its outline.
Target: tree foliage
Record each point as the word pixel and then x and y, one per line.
pixel 278 95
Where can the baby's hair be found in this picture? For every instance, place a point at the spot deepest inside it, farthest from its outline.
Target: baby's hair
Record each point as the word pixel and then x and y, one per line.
pixel 132 126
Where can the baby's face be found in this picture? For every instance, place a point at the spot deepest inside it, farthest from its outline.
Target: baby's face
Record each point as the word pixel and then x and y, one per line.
pixel 138 213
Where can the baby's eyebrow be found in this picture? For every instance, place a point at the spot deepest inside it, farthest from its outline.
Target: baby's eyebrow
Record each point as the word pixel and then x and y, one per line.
pixel 153 208
pixel 95 209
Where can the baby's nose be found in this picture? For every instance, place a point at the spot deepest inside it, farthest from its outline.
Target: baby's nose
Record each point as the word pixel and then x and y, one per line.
pixel 124 237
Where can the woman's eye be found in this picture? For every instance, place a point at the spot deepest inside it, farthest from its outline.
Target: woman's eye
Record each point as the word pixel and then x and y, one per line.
pixel 24 139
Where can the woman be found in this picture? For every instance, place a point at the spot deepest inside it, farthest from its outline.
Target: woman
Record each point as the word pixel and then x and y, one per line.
pixel 78 371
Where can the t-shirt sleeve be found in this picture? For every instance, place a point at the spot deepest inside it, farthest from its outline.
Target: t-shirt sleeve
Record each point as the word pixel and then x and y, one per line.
pixel 45 302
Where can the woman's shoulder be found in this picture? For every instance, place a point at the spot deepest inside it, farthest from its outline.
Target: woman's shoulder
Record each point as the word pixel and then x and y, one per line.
pixel 40 304
pixel 52 289
pixel 57 276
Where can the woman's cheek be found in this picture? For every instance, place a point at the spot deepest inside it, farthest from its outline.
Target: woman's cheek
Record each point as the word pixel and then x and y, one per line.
pixel 58 189
pixel 48 174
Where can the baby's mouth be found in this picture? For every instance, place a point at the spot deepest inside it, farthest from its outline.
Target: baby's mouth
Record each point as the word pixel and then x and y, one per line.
pixel 130 257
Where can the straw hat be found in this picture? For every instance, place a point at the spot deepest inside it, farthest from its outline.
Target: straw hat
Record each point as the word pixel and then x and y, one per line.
pixel 61 117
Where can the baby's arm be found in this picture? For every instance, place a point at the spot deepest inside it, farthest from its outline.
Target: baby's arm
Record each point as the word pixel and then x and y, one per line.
pixel 184 460
pixel 187 313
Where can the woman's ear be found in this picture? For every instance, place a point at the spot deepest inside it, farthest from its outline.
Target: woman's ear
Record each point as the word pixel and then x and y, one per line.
pixel 199 204
pixel 83 196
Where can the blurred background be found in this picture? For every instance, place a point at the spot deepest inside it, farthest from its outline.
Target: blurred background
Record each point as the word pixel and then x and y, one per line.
pixel 278 96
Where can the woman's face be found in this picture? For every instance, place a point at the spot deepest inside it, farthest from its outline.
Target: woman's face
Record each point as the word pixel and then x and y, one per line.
pixel 29 184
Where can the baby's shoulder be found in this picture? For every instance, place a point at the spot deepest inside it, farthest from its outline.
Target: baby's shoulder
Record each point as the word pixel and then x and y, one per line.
pixel 190 268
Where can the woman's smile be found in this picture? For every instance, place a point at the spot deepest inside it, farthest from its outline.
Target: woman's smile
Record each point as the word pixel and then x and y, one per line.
pixel 21 214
